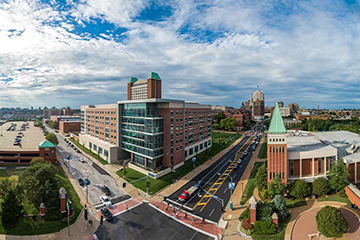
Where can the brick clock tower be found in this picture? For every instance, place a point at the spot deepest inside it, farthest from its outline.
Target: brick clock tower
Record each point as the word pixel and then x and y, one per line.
pixel 252 203
pixel 277 163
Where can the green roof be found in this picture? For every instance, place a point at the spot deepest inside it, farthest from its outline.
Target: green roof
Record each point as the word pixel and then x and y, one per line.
pixel 46 144
pixel 277 124
pixel 132 80
pixel 154 75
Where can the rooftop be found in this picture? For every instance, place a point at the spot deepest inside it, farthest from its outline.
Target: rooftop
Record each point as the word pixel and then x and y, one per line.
pixel 31 138
pixel 277 124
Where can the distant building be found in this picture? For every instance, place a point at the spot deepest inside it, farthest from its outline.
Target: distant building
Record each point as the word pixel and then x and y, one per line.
pixel 144 89
pixel 257 105
pixel 280 104
pixel 294 108
pixel 48 112
pixel 285 111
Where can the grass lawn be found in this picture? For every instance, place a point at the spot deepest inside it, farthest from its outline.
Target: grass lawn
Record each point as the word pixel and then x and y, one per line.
pixel 220 142
pixel 27 226
pixel 84 149
pixel 250 185
pixel 335 198
pixel 292 203
pixel 263 149
pixel 278 236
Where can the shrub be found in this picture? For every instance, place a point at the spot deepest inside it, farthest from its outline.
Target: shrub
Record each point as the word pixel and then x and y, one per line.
pixel 245 214
pixel 261 178
pixel 280 206
pixel 265 194
pixel 264 228
pixel 342 193
pixel 276 187
pixel 300 189
pixel 245 224
pixel 264 211
pixel 321 186
pixel 331 222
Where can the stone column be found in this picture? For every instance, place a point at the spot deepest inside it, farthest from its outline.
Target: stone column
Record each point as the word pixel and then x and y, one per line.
pixel 42 209
pixel 63 199
pixel 275 219
pixel 252 203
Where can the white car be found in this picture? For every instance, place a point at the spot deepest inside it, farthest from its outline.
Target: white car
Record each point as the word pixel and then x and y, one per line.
pixel 106 201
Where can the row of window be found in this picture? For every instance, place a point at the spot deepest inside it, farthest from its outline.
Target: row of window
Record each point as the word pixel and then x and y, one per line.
pixel 99 150
pixel 100 112
pixel 195 149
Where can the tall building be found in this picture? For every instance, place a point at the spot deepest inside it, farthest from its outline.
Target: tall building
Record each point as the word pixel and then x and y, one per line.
pixel 257 105
pixel 144 89
pixel 277 147
pixel 280 104
pixel 294 107
pixel 153 133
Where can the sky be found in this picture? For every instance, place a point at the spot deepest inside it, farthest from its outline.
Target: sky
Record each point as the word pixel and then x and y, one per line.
pixel 72 53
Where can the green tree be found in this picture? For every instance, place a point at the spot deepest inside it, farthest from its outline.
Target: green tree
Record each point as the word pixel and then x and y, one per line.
pixel 331 222
pixel 218 117
pixel 339 175
pixel 261 178
pixel 320 186
pixel 36 160
pixel 52 138
pixel 11 209
pixel 264 228
pixel 300 189
pixel 280 206
pixel 53 124
pixel 276 187
pixel 49 194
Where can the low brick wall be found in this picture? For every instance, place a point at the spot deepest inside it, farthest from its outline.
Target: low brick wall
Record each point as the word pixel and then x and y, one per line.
pixel 353 194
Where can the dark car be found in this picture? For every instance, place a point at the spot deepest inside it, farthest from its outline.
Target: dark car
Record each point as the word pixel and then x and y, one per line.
pixel 236 166
pixel 81 181
pixel 107 214
pixel 200 184
pixel 107 190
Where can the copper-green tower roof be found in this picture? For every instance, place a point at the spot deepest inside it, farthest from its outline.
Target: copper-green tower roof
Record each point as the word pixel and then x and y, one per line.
pixel 46 144
pixel 154 75
pixel 132 80
pixel 276 124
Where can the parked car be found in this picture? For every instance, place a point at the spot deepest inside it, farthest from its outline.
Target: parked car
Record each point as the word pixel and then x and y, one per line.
pixel 106 190
pixel 240 161
pixel 83 160
pixel 106 201
pixel 81 181
pixel 236 166
pixel 107 214
pixel 78 151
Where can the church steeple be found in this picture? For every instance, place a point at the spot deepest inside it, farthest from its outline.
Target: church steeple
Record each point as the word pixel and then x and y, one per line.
pixel 277 123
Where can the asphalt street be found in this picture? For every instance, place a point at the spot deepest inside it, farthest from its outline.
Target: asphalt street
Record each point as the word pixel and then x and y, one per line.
pixel 97 176
pixel 212 210
pixel 146 223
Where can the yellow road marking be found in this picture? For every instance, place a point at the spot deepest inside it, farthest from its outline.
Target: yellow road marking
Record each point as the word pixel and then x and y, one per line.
pixel 215 187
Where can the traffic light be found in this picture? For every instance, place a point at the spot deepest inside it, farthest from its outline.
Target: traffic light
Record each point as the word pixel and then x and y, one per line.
pixel 101 219
pixel 124 185
pixel 86 214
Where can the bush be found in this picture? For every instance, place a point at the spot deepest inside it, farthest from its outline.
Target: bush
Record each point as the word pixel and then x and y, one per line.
pixel 280 206
pixel 245 224
pixel 321 186
pixel 265 194
pixel 245 214
pixel 52 138
pixel 300 189
pixel 276 187
pixel 342 193
pixel 261 178
pixel 331 222
pixel 264 211
pixel 264 228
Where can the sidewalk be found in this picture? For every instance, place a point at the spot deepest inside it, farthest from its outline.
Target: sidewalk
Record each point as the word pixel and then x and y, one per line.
pixel 233 216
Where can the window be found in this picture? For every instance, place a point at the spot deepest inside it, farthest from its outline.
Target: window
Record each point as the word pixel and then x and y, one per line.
pixel 95 147
pixel 106 153
pixel 196 149
pixel 100 150
pixel 191 151
pixel 319 165
pixel 291 168
pixel 90 145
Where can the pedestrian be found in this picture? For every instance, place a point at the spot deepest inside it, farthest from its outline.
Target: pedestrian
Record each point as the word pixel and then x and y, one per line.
pixel 127 207
pixel 167 207
pixel 203 219
pixel 173 211
pixel 193 219
pixel 185 215
pixel 177 214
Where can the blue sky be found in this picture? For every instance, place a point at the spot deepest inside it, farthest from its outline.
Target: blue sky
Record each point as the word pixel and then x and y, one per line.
pixel 67 52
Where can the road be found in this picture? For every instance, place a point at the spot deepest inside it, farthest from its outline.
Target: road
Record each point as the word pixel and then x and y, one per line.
pixel 216 178
pixel 145 222
pixel 97 176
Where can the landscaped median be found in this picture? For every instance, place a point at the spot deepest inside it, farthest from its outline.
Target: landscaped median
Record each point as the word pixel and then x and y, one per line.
pixel 88 151
pixel 220 141
pixel 263 150
pixel 250 185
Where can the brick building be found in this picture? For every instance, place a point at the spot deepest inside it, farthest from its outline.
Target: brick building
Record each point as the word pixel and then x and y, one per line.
pixel 152 132
pixel 144 89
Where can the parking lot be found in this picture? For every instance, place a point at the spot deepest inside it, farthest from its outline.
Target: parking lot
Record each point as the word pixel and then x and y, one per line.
pixel 91 170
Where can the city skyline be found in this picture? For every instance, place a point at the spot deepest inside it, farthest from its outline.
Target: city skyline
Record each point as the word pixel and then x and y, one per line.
pixel 67 52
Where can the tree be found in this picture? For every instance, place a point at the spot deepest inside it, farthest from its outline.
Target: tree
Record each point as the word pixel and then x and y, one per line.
pixel 36 160
pixel 11 209
pixel 53 124
pixel 276 187
pixel 320 186
pixel 52 138
pixel 280 206
pixel 228 124
pixel 331 222
pixel 261 178
pixel 339 175
pixel 218 117
pixel 300 189
pixel 264 228
pixel 49 195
